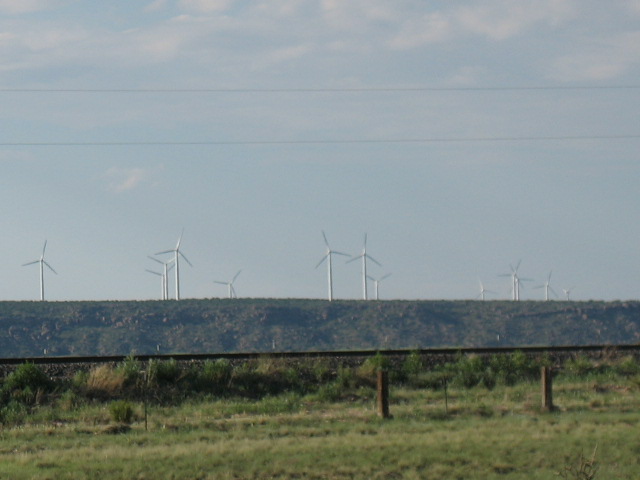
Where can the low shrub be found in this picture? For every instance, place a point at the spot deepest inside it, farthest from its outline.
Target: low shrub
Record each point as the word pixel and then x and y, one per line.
pixel 579 366
pixel 412 365
pixel 627 366
pixel 167 371
pixel 27 376
pixel 121 411
pixel 130 368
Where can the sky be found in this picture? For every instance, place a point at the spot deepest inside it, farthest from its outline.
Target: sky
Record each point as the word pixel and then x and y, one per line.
pixel 463 138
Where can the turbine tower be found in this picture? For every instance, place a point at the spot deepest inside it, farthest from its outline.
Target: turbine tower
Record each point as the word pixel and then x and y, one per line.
pixel 42 263
pixel 231 290
pixel 176 258
pixel 364 256
pixel 166 267
pixel 329 253
pixel 376 283
pixel 547 288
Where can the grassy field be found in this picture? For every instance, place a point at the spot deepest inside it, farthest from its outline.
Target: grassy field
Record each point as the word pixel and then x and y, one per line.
pixel 479 433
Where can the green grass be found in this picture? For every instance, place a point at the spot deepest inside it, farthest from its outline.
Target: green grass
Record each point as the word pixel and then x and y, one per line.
pixel 485 433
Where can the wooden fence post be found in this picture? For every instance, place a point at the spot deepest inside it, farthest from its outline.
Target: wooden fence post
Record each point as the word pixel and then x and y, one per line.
pixel 547 388
pixel 383 394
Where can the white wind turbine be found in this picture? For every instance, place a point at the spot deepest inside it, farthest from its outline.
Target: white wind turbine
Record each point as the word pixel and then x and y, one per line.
pixel 483 291
pixel 161 281
pixel 327 257
pixel 364 256
pixel 547 288
pixel 567 292
pixel 515 281
pixel 166 267
pixel 176 257
pixel 42 263
pixel 376 283
pixel 231 290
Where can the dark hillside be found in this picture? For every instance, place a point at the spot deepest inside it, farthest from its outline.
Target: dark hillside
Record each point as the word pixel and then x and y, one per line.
pixel 261 325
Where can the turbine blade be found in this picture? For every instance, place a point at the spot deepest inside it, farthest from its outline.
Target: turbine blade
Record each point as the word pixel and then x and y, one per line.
pixel 179 239
pixel 50 267
pixel 340 253
pixel 185 258
pixel 44 248
pixel 30 263
pixel 165 251
pixel 373 260
pixel 235 276
pixel 155 273
pixel 387 276
pixel 351 259
pixel 323 259
pixel 326 242
pixel 221 283
pixel 155 259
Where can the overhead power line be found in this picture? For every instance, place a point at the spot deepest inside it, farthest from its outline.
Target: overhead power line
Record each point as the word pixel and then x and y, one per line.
pixel 322 141
pixel 317 90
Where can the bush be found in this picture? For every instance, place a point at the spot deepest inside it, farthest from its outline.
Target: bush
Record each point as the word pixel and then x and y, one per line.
pixel 121 411
pixel 513 368
pixel 467 371
pixel 372 365
pixel 27 376
pixel 130 369
pixel 579 366
pixel 166 372
pixel 214 376
pixel 627 366
pixel 412 365
pixel 13 413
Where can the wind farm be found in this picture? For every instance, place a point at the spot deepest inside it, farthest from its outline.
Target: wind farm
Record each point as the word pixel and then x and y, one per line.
pixel 329 257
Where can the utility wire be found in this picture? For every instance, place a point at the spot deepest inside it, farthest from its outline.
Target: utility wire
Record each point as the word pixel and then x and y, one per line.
pixel 316 90
pixel 323 141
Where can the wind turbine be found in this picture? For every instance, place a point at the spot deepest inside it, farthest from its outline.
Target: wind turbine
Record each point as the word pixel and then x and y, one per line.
pixel 515 280
pixel 483 291
pixel 567 292
pixel 376 283
pixel 42 263
pixel 547 288
pixel 161 281
pixel 327 257
pixel 364 255
pixel 166 266
pixel 176 257
pixel 232 291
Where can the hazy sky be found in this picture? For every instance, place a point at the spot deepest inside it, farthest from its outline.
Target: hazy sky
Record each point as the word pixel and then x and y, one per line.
pixel 462 137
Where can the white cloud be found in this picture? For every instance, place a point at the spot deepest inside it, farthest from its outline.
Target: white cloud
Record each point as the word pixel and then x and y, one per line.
pixel 205 6
pixel 14 7
pixel 600 60
pixel 124 179
pixel 427 29
pixel 504 19
pixel 496 20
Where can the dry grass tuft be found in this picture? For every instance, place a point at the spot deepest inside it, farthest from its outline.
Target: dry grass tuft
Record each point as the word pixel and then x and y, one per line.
pixel 105 380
